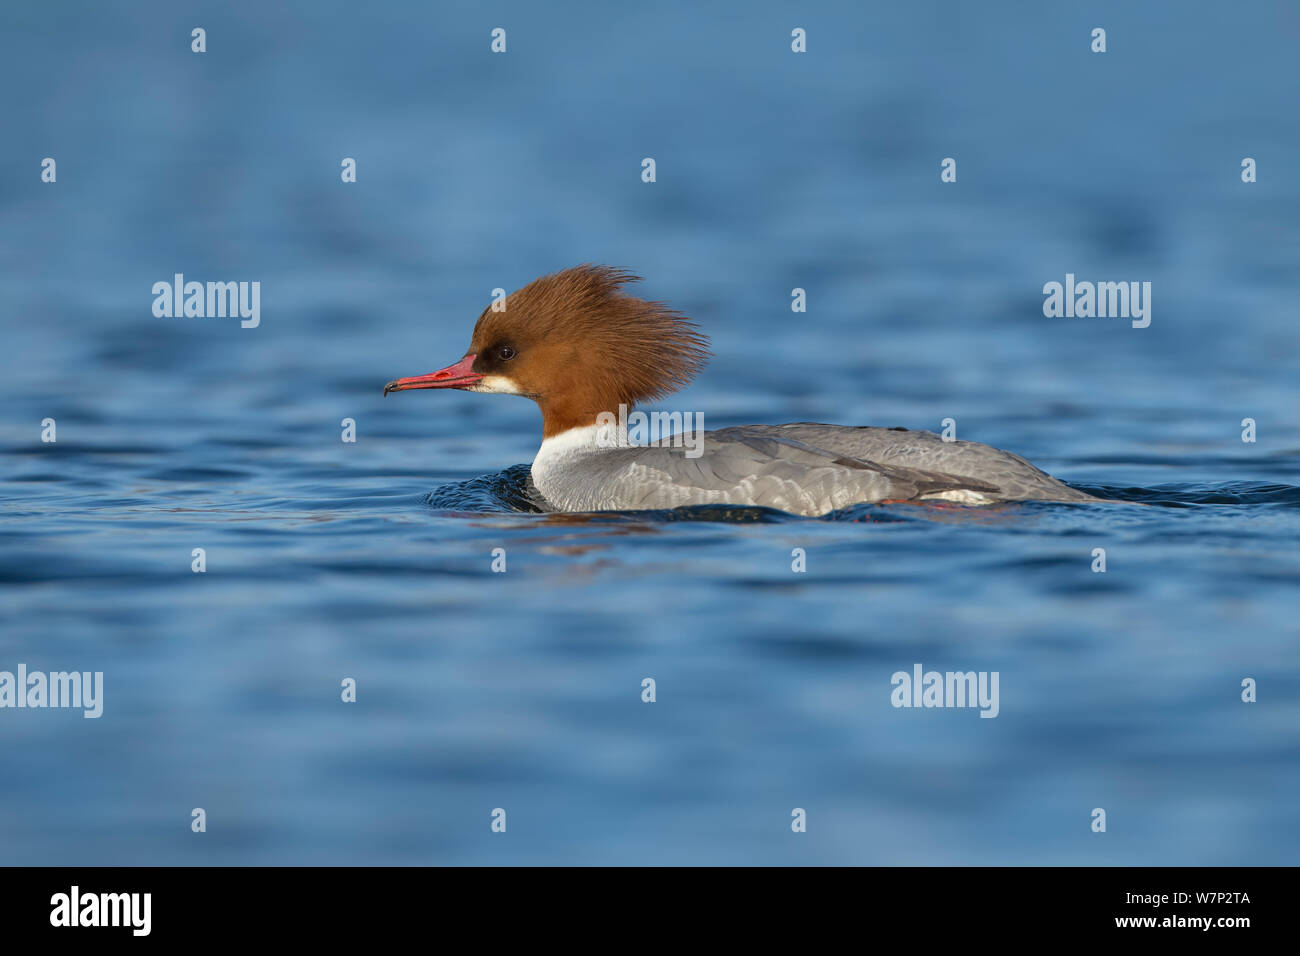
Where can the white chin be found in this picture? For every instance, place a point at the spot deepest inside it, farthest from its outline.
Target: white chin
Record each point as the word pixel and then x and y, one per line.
pixel 497 384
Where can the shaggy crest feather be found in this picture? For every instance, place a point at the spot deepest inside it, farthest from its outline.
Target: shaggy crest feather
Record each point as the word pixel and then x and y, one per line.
pixel 635 350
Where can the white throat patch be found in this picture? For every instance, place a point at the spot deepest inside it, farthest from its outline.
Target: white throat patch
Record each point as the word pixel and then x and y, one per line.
pixel 497 384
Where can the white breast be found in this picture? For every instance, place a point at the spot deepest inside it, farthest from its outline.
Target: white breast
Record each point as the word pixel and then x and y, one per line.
pixel 564 460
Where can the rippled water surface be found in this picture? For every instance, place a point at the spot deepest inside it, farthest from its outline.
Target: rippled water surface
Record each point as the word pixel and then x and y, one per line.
pixel 522 690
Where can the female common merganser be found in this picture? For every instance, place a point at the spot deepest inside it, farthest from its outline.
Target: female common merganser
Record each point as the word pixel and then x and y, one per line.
pixel 581 347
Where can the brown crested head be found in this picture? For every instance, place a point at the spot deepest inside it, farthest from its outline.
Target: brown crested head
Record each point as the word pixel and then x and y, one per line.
pixel 579 345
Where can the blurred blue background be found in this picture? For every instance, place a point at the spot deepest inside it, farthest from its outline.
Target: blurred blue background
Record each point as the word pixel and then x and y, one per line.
pixel 522 690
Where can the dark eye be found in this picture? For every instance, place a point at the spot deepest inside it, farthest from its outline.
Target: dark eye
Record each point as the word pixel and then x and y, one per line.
pixel 506 353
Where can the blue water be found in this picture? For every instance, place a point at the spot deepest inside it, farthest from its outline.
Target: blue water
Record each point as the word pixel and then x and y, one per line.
pixel 522 690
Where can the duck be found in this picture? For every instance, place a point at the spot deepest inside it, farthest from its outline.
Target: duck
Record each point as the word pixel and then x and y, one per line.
pixel 587 351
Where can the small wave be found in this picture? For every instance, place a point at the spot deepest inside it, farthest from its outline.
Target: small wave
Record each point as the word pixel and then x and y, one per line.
pixel 510 491
pixel 1187 494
